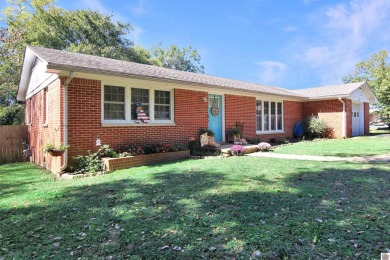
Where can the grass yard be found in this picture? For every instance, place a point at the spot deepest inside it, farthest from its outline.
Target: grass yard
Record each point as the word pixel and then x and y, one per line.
pixel 356 146
pixel 222 208
pixel 380 130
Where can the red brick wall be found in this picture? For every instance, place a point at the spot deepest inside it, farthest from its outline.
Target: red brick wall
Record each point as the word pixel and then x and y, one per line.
pixel 85 120
pixel 366 118
pixel 331 112
pixel 241 109
pixel 112 164
pixel 41 134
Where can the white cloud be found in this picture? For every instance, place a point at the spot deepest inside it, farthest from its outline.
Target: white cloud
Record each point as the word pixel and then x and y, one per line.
pixel 347 32
pixel 290 29
pixel 139 9
pixel 271 71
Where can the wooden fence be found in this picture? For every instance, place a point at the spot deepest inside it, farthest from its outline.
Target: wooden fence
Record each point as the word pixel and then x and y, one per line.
pixel 11 143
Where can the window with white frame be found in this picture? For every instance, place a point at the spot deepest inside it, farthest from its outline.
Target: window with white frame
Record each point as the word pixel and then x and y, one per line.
pixel 162 105
pixel 120 104
pixel 269 116
pixel 114 103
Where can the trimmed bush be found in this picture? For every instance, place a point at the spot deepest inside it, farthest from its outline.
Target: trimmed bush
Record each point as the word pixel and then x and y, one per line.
pixel 317 128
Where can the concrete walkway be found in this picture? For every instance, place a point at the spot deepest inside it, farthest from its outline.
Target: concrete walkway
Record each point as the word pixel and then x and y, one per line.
pixel 383 158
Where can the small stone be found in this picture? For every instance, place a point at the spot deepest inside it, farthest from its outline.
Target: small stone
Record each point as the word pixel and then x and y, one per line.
pixel 56 244
pixel 57 238
pixel 257 253
pixel 165 248
pixel 213 248
pixel 82 234
pixel 177 248
pixel 117 226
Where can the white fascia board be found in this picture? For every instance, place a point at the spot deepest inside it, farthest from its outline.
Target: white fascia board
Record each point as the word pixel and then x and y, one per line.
pixel 175 84
pixel 25 75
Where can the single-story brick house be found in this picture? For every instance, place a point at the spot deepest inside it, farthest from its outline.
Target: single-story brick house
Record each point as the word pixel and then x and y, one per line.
pixel 79 99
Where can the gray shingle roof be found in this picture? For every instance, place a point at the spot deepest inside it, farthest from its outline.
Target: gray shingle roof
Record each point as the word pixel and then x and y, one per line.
pixel 88 63
pixel 329 91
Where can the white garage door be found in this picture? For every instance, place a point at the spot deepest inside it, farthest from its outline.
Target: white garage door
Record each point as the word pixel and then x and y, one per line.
pixel 357 120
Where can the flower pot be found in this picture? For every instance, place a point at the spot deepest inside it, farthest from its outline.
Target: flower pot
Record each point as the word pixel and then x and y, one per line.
pixel 211 141
pixel 233 138
pixel 56 152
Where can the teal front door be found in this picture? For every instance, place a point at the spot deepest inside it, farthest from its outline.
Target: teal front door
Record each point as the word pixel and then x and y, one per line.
pixel 215 116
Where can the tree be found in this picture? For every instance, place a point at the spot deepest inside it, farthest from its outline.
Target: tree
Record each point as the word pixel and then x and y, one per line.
pixel 173 57
pixel 376 72
pixel 41 23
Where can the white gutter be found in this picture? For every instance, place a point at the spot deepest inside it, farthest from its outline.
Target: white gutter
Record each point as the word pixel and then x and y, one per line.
pixel 344 123
pixel 65 123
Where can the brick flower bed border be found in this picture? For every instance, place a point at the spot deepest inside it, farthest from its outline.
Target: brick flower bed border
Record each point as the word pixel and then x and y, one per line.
pixel 112 164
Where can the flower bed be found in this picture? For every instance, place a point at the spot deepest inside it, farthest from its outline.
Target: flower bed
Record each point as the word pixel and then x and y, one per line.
pixel 112 164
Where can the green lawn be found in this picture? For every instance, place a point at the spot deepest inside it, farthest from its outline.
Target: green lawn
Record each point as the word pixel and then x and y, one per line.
pixel 221 208
pixel 357 146
pixel 379 131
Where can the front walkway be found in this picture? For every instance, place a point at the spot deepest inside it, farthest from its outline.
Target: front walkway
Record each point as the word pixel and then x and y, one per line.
pixel 383 158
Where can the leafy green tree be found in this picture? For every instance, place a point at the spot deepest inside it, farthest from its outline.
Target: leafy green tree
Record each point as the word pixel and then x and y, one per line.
pixel 41 23
pixel 173 57
pixel 376 72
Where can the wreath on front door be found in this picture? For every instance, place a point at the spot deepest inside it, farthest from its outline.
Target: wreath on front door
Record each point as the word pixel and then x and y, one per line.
pixel 214 110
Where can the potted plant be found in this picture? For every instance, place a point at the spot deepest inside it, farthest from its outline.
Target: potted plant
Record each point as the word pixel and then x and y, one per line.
pixel 210 134
pixel 234 135
pixel 55 150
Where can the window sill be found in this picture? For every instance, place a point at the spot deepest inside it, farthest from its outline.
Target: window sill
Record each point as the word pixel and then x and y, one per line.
pixel 269 132
pixel 107 124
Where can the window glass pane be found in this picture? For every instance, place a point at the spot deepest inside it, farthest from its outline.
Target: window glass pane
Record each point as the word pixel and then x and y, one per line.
pixel 114 103
pixel 162 105
pixel 113 93
pixel 280 111
pixel 259 118
pixel 114 111
pixel 161 112
pixel 162 97
pixel 273 115
pixel 142 96
pixel 266 116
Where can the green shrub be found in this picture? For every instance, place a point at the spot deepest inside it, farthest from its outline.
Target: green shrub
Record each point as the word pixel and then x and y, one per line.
pixel 254 140
pixel 88 164
pixel 317 128
pixel 131 150
pixel 209 132
pixel 92 162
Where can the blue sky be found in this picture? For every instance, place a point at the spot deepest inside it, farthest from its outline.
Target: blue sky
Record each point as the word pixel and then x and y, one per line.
pixel 292 44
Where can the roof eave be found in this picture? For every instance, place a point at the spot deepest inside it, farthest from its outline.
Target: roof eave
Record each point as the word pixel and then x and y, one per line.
pixel 55 68
pixel 28 61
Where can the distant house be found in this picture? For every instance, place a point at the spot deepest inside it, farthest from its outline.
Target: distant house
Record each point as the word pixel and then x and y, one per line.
pixel 80 99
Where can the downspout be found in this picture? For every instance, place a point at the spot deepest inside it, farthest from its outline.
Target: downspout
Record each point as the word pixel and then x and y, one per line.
pixel 65 119
pixel 344 123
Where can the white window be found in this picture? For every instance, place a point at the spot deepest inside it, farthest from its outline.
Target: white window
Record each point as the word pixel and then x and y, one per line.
pixel 162 105
pixel 119 104
pixel 114 103
pixel 269 116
